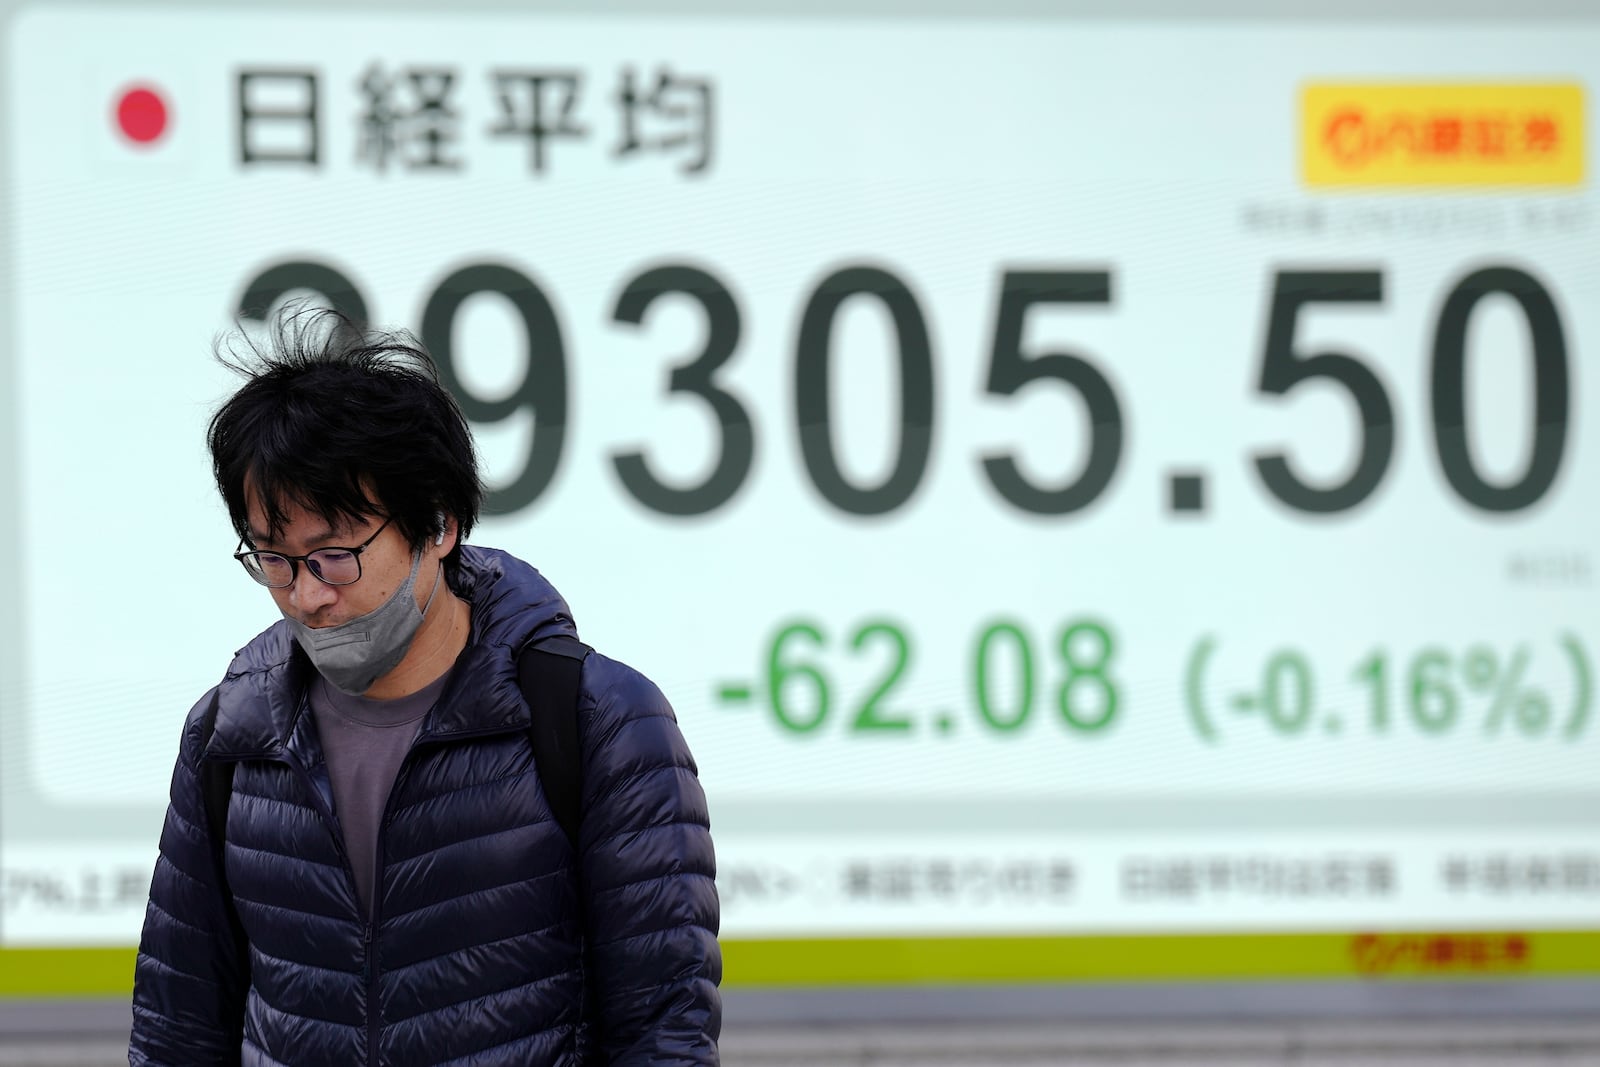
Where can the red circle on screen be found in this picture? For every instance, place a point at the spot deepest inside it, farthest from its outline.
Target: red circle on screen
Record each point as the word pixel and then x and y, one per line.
pixel 142 115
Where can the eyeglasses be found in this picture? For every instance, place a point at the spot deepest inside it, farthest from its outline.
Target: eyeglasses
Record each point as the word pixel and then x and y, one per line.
pixel 331 566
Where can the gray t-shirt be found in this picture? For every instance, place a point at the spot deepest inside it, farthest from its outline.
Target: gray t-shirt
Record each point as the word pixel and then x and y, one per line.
pixel 364 742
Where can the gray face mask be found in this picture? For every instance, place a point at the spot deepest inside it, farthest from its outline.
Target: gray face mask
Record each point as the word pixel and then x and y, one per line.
pixel 354 654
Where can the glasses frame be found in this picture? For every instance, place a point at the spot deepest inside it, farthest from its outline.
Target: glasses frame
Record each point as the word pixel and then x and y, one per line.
pixel 295 561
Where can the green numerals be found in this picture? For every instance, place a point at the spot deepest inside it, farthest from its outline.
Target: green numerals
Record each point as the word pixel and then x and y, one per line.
pixel 784 671
pixel 798 690
pixel 991 707
pixel 801 683
pixel 1086 649
pixel 1519 690
pixel 870 716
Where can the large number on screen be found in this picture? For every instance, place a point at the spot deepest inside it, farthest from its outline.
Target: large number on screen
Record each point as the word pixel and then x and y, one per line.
pixel 1283 368
pixel 543 391
pixel 1550 390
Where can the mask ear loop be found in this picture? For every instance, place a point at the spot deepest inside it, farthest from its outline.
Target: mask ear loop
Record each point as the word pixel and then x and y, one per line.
pixel 438 576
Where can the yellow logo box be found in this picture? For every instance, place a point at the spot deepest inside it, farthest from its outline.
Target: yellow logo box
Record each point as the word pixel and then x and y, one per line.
pixel 1422 135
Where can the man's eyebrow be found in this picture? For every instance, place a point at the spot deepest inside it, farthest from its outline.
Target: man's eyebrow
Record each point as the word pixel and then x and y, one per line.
pixel 322 537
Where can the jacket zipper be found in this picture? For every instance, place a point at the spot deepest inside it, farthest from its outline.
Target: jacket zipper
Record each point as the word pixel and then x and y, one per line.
pixel 369 930
pixel 374 920
pixel 368 965
pixel 369 969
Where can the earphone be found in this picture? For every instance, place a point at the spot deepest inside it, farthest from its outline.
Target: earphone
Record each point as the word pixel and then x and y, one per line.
pixel 438 520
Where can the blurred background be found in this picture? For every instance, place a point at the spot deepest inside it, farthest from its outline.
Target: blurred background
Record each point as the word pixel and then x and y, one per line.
pixel 1112 490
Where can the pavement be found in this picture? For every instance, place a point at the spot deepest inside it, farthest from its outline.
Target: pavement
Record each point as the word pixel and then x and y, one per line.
pixel 1431 1043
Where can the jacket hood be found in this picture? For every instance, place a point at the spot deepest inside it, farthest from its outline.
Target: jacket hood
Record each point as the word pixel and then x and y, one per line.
pixel 263 693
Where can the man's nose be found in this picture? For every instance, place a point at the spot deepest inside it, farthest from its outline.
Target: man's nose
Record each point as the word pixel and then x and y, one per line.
pixel 308 593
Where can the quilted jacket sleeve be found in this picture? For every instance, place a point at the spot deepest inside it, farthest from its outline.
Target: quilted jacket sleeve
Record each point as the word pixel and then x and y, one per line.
pixel 189 982
pixel 649 875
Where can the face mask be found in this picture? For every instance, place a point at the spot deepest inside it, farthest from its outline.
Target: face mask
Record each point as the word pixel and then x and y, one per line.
pixel 354 654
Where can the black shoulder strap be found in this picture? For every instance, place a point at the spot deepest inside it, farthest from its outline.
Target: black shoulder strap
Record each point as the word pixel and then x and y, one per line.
pixel 548 672
pixel 216 788
pixel 216 783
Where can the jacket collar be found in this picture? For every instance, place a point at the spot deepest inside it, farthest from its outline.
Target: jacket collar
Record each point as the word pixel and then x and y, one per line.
pixel 262 697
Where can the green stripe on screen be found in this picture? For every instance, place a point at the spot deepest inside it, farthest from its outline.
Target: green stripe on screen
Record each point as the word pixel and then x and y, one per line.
pixel 1186 957
pixel 66 972
pixel 834 962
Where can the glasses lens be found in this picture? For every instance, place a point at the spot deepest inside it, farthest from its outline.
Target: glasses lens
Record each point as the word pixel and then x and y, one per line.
pixel 336 566
pixel 268 568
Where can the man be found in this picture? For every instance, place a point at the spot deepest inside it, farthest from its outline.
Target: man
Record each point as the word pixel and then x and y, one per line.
pixel 391 887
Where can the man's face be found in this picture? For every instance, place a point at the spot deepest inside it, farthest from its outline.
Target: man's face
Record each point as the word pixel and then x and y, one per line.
pixel 385 563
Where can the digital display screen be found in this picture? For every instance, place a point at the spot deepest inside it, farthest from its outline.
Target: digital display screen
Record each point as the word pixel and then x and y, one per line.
pixel 1073 480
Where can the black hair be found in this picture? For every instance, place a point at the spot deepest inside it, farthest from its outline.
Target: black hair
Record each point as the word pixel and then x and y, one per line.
pixel 346 423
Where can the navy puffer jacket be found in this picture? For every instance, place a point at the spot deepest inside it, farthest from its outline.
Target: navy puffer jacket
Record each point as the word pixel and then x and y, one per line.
pixel 475 952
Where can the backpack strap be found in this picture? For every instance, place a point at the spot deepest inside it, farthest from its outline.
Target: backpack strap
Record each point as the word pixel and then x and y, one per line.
pixel 549 671
pixel 216 789
pixel 216 785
